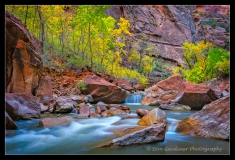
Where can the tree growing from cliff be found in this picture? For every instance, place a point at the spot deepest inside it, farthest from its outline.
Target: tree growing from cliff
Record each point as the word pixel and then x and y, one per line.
pixel 141 55
pixel 204 61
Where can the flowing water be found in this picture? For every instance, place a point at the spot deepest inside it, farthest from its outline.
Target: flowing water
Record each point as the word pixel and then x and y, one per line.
pixel 133 99
pixel 82 136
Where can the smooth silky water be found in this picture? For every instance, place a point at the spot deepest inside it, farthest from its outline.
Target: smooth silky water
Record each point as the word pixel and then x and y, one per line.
pixel 83 136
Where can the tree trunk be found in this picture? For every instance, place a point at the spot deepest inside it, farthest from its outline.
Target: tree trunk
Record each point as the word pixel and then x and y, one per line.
pixel 25 20
pixel 89 37
pixel 139 62
pixel 41 23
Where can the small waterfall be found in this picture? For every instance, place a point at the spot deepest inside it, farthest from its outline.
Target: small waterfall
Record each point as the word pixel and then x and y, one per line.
pixel 134 99
pixel 75 111
pixel 172 124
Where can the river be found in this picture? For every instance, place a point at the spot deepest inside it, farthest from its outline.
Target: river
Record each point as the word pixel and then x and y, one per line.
pixel 82 136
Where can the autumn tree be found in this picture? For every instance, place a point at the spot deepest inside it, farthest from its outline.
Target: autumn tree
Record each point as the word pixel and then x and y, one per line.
pixel 204 62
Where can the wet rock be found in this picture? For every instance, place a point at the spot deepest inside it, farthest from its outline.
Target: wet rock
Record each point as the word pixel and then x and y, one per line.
pixel 9 123
pixel 131 117
pixel 213 121
pixel 153 133
pixel 107 113
pixel 22 105
pixel 97 110
pixel 155 116
pixel 142 112
pixel 84 112
pixel 51 122
pixel 175 107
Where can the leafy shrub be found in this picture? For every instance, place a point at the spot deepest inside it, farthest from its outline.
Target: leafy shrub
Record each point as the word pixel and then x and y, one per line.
pixel 81 85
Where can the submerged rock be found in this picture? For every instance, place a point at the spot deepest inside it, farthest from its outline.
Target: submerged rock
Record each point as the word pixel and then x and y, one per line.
pixel 51 122
pixel 175 107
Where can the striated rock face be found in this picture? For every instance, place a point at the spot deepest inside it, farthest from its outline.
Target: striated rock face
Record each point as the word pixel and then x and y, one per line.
pixel 150 134
pixel 22 105
pixel 196 96
pixel 9 123
pixel 169 26
pixel 23 63
pixel 213 121
pixel 155 116
pixel 165 90
pixel 213 9
pixel 102 90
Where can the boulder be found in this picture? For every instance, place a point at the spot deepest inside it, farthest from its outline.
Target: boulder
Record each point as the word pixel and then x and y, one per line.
pixel 101 104
pixel 44 91
pixel 121 131
pixel 116 111
pixel 142 112
pixel 88 98
pixel 175 107
pixel 9 123
pixel 153 133
pixel 97 110
pixel 155 116
pixel 164 90
pixel 64 104
pixel 213 121
pixel 22 105
pixel 107 113
pixel 43 108
pixel 94 115
pixel 84 112
pixel 196 96
pixel 139 87
pixel 124 84
pixel 102 90
pixel 78 99
pixel 23 63
pixel 51 122
pixel 156 103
